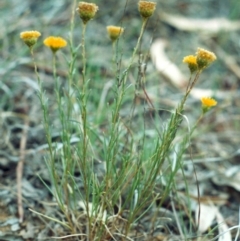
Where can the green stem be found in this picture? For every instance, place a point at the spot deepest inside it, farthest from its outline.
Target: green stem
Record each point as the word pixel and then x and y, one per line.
pixel 84 54
pixel 54 67
pixel 48 134
pixel 84 161
pixel 70 97
pixel 65 140
pixel 163 148
pixel 125 74
pixel 113 146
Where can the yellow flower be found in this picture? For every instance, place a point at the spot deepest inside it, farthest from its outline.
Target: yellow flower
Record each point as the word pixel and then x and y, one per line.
pixel 55 43
pixel 207 103
pixel 87 11
pixel 204 58
pixel 192 62
pixel 114 32
pixel 30 37
pixel 146 9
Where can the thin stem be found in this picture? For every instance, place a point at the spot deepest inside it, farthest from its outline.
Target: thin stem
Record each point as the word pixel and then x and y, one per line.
pixel 48 132
pixel 162 149
pixel 73 53
pixel 84 161
pixel 65 140
pixel 125 74
pixel 54 67
pixel 72 22
pixel 70 97
pixel 114 60
pixel 114 57
pixel 46 123
pixel 84 53
pixel 113 142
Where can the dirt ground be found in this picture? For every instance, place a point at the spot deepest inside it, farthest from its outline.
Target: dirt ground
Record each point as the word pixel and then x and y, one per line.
pixel 182 26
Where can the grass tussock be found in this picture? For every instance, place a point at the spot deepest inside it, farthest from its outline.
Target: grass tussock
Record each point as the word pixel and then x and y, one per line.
pixel 108 172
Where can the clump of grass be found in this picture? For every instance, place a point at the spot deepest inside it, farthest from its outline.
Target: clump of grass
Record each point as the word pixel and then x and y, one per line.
pixel 114 201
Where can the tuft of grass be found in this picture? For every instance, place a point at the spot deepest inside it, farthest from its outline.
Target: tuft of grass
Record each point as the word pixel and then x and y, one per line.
pixel 107 169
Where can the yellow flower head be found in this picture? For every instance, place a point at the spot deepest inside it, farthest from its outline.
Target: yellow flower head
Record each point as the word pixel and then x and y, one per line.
pixel 114 32
pixel 30 37
pixel 55 43
pixel 204 58
pixel 207 103
pixel 146 9
pixel 192 62
pixel 87 11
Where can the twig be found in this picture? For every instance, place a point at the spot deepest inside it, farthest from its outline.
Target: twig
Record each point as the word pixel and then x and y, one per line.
pixel 69 236
pixel 238 231
pixel 19 169
pixel 177 219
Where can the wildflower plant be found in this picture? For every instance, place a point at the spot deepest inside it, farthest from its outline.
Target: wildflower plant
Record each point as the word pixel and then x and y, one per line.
pixel 133 167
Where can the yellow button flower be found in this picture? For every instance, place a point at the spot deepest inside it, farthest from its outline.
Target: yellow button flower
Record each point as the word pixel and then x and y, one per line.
pixel 207 103
pixel 191 60
pixel 204 58
pixel 30 37
pixel 146 9
pixel 55 43
pixel 87 11
pixel 114 32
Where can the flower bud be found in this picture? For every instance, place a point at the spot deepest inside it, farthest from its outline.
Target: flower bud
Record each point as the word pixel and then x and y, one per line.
pixel 114 32
pixel 191 60
pixel 146 9
pixel 204 58
pixel 30 37
pixel 87 11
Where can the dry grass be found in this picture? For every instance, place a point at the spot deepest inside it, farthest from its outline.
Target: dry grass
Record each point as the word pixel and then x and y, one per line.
pixel 214 146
